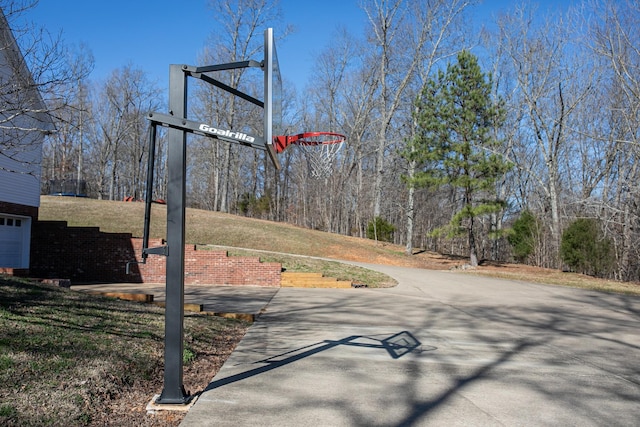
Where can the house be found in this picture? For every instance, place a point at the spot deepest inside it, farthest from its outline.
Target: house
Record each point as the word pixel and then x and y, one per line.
pixel 24 122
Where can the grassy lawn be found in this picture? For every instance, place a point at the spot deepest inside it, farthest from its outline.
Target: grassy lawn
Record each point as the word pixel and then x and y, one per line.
pixel 549 276
pixel 69 358
pixel 339 270
pixel 215 228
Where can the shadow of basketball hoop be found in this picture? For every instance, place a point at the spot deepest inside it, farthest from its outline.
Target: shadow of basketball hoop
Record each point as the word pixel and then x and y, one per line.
pixel 402 343
pixel 397 345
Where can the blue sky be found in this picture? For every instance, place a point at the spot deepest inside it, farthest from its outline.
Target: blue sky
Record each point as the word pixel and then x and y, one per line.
pixel 151 34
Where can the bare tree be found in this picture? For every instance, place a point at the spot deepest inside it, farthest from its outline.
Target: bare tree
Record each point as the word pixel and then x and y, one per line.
pixel 50 73
pixel 614 38
pixel 353 115
pixel 550 90
pixel 238 37
pixel 64 149
pixel 326 98
pixel 121 148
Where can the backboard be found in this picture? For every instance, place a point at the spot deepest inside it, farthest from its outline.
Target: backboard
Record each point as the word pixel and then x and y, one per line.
pixel 272 95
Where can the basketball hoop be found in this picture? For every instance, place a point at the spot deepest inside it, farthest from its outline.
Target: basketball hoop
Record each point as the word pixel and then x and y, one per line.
pixel 319 148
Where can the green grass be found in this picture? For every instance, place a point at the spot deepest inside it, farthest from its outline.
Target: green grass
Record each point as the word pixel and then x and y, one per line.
pixel 66 356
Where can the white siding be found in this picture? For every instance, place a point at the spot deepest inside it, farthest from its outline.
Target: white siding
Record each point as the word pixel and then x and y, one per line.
pixel 23 122
pixel 20 175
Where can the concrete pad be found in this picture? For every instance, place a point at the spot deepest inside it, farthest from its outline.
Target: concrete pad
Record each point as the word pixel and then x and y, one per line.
pixel 213 298
pixel 153 407
pixel 440 349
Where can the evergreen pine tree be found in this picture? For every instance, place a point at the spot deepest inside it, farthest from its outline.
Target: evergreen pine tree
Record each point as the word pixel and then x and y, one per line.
pixel 454 146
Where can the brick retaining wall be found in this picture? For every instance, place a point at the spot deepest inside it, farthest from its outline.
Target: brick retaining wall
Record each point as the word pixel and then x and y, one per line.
pixel 86 254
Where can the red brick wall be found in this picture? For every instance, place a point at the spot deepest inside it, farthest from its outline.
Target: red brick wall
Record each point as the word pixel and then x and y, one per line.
pixel 82 254
pixel 85 254
pixel 209 267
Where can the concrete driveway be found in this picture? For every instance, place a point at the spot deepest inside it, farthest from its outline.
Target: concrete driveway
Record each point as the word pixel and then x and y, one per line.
pixel 440 349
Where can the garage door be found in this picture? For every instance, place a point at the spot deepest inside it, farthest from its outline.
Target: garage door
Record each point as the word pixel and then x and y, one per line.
pixel 14 241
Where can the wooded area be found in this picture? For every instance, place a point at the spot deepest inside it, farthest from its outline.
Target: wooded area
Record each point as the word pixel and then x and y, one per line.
pixel 568 82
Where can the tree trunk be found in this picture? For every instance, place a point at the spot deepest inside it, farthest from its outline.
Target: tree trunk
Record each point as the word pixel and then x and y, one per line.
pixel 555 226
pixel 410 217
pixel 225 176
pixel 473 256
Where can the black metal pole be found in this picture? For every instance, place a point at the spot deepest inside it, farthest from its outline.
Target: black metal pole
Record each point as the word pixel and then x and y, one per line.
pixel 149 196
pixel 173 391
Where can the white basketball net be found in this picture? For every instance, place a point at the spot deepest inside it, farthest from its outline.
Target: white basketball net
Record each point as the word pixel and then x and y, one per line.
pixel 321 150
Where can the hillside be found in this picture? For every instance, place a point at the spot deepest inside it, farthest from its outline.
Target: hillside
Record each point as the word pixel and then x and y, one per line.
pixel 215 228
